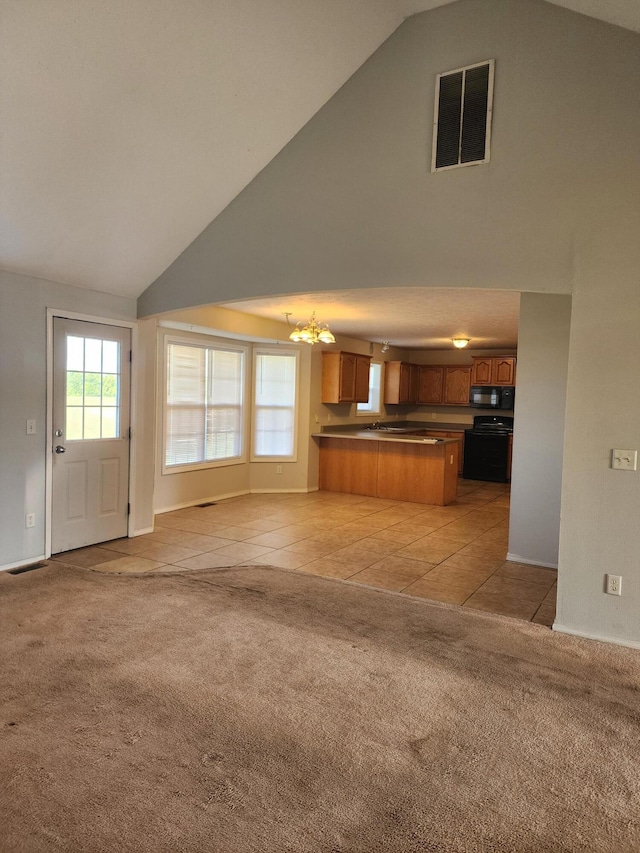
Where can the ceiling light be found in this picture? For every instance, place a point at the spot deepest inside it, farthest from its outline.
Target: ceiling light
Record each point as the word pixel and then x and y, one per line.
pixel 312 333
pixel 460 343
pixel 385 346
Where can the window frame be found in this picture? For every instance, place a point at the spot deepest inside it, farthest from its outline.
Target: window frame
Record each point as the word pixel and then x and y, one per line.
pixel 278 351
pixel 436 106
pixel 363 413
pixel 204 342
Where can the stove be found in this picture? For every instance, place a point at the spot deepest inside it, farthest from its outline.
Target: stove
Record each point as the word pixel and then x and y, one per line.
pixel 486 449
pixel 492 425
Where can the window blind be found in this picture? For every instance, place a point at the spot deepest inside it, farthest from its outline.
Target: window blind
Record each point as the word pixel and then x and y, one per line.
pixel 274 405
pixel 204 416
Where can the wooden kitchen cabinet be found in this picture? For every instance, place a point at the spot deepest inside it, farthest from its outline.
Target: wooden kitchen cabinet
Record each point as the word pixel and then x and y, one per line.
pixel 437 433
pixel 443 385
pixel 430 384
pixel 401 381
pixel 345 377
pixel 457 381
pixel 498 370
pixel 396 470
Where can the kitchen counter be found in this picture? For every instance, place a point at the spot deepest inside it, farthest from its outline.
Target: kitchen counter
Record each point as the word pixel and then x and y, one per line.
pixel 382 435
pixel 395 466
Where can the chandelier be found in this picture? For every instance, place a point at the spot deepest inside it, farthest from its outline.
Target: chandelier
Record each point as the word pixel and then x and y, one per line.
pixel 312 333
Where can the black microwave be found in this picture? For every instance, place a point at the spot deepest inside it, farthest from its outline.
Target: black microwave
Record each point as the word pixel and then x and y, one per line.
pixel 492 396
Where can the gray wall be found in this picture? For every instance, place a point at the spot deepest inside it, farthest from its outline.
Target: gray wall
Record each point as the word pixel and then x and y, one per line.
pixel 543 355
pixel 350 203
pixel 23 377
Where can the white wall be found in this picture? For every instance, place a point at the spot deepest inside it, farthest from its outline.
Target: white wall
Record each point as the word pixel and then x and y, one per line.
pixel 536 474
pixel 23 388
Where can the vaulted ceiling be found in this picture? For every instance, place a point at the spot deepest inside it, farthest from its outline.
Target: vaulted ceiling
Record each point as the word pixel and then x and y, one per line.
pixel 128 125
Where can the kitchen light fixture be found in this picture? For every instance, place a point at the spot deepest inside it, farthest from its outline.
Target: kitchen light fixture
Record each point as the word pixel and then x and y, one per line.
pixel 460 343
pixel 312 333
pixel 385 346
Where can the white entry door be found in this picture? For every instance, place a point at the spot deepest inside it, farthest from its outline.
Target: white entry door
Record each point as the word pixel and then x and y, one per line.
pixel 90 441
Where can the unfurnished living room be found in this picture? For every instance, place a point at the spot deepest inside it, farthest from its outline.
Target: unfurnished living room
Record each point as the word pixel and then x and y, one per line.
pixel 320 416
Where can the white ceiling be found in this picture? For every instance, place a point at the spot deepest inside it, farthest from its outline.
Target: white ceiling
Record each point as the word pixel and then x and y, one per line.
pixel 411 317
pixel 128 125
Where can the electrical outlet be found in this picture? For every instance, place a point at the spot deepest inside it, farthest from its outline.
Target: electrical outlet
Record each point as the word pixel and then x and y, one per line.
pixel 278 469
pixel 30 519
pixel 317 418
pixel 613 585
pixel 433 416
pixel 329 417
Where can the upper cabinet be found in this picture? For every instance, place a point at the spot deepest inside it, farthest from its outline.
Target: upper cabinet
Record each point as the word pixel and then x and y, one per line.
pixel 401 382
pixel 446 385
pixel 430 384
pixel 426 384
pixel 345 377
pixel 457 381
pixel 499 370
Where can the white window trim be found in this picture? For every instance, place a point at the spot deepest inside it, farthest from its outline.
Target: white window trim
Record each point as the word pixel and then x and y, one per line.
pixel 275 351
pixel 361 413
pixel 434 141
pixel 203 341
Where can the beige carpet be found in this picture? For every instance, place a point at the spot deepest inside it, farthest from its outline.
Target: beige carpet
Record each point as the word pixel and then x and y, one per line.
pixel 252 709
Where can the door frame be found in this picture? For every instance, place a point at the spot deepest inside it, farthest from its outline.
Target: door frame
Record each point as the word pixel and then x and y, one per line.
pixel 105 321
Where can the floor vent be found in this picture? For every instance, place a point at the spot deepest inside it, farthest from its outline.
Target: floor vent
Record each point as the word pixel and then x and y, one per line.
pixel 211 503
pixel 24 569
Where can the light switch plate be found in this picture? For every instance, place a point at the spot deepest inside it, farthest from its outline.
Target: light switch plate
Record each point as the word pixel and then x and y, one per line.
pixel 31 426
pixel 624 460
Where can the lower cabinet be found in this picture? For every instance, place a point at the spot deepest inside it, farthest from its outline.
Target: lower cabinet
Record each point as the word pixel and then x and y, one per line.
pixel 435 433
pixel 404 471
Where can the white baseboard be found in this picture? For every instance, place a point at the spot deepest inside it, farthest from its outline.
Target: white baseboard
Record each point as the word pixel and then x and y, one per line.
pixel 216 498
pixel 617 641
pixel 28 562
pixel 187 504
pixel 140 532
pixel 516 558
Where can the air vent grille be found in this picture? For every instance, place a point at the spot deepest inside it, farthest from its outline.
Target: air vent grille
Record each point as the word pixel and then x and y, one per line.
pixel 462 120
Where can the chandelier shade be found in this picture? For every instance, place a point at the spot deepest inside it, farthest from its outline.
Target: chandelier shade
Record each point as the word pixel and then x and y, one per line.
pixel 312 333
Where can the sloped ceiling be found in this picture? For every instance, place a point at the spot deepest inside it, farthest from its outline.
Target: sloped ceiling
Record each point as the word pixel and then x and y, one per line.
pixel 128 125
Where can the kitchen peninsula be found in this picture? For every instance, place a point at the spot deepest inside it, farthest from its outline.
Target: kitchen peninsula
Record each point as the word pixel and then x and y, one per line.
pixel 397 463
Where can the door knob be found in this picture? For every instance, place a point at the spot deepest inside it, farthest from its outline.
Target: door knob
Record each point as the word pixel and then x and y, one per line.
pixel 60 449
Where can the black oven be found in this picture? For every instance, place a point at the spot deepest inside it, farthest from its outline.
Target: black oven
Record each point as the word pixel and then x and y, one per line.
pixel 486 449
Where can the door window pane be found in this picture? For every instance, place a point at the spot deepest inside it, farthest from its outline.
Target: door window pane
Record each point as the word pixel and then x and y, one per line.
pixel 92 422
pixel 93 389
pixel 109 424
pixel 93 355
pixel 110 356
pixel 109 390
pixel 75 353
pixel 74 423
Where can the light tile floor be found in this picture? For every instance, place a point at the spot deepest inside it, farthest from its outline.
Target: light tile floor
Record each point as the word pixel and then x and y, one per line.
pixel 455 554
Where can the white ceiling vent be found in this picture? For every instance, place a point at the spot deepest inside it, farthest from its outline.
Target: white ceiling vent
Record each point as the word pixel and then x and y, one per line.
pixel 462 116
